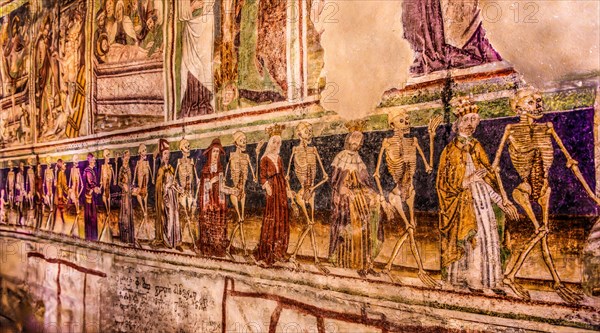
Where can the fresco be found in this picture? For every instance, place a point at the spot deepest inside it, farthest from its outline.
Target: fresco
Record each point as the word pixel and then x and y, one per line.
pixel 15 41
pixel 128 56
pixel 164 159
pixel 60 79
pixel 256 53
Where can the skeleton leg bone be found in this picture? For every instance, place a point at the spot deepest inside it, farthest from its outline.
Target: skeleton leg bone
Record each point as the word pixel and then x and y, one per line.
pixel 309 228
pixel 236 204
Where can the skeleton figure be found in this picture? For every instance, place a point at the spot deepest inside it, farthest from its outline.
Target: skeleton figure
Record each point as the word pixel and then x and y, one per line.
pixel 20 191
pixel 49 182
pixel 305 160
pixel 10 184
pixel 75 185
pixel 401 159
pixel 532 154
pixel 3 213
pixel 141 176
pixel 239 162
pixel 107 176
pixel 186 171
pixel 30 183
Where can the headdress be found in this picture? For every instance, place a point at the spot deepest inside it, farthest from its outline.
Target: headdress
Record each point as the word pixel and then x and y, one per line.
pixel 275 130
pixel 463 106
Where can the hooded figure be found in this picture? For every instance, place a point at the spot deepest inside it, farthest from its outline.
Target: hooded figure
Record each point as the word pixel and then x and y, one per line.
pixel 212 204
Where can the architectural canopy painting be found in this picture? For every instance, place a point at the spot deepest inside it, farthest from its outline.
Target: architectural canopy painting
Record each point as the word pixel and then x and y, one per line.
pixel 172 166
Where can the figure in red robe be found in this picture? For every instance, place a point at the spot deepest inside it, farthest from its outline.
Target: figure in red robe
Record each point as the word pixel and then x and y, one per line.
pixel 212 204
pixel 275 230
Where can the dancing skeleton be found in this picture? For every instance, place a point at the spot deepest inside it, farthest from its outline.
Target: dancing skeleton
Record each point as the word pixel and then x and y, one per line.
pixel 185 172
pixel 239 162
pixel 107 176
pixel 401 159
pixel 305 160
pixel 49 181
pixel 75 185
pixel 531 152
pixel 141 176
pixel 30 179
pixel 10 184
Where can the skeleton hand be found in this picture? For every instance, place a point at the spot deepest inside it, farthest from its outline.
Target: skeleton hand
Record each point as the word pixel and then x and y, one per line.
pixel 428 169
pixel 376 175
pixel 97 190
pixel 434 123
pixel 542 228
pixel 259 146
pixel 571 163
pixel 510 210
pixel 290 194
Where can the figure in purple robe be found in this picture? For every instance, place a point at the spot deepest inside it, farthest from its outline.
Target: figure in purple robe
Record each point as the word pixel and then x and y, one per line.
pixel 91 190
pixel 445 34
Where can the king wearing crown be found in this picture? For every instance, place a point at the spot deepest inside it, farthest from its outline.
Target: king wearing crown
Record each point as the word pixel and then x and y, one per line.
pixel 467 186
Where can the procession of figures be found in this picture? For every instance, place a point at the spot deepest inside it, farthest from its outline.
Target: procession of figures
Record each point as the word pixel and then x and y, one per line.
pixel 193 196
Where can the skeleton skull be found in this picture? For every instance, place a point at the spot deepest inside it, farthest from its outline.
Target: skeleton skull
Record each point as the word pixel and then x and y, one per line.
pixel 106 154
pixel 400 122
pixel 240 139
pixel 10 164
pixel 142 151
pixel 304 131
pixel 75 159
pixel 528 103
pixel 184 146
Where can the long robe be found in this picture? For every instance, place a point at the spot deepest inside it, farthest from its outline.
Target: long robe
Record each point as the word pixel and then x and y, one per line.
pixel 469 235
pixel 275 230
pixel 356 230
pixel 126 225
pixel 213 208
pixel 171 226
pixel 196 60
pixel 159 233
pixel 445 34
pixel 90 213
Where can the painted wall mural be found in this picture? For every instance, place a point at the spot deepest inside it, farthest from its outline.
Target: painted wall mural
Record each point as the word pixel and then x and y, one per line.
pixel 128 56
pixel 176 158
pixel 15 119
pixel 60 77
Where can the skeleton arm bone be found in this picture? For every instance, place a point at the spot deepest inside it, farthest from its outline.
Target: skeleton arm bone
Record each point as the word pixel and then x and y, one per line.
pixel 254 175
pixel 427 165
pixel 573 165
pixel 376 174
pixel 496 163
pixel 325 176
pixel 287 175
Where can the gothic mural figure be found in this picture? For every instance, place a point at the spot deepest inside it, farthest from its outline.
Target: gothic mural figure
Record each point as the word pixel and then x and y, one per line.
pixel 356 229
pixel 275 228
pixel 92 189
pixel 467 186
pixel 212 205
pixel 531 153
pixel 213 218
pixel 401 158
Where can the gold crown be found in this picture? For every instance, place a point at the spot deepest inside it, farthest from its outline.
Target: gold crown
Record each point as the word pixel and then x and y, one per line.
pixel 356 125
pixel 275 130
pixel 463 106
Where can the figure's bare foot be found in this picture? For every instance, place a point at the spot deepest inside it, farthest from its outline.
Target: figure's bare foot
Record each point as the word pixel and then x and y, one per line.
pixel 228 253
pixel 322 268
pixel 517 289
pixel 567 294
pixel 428 280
